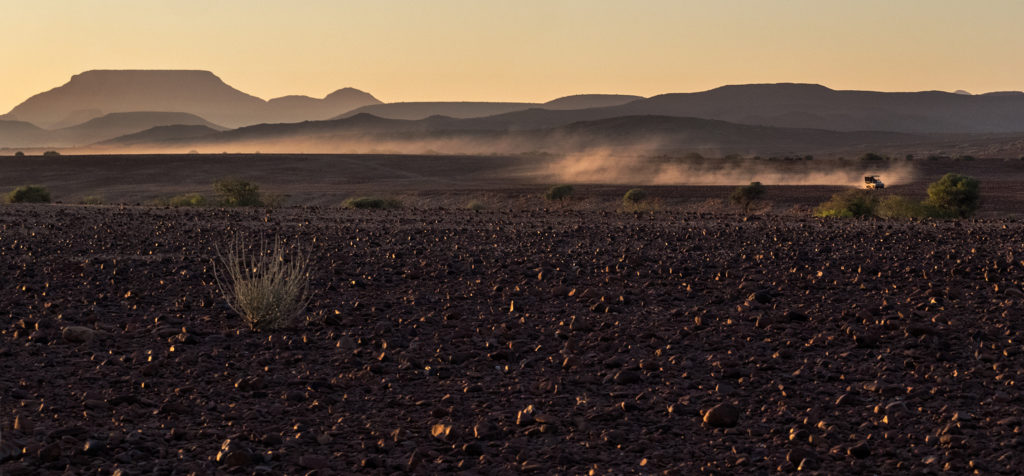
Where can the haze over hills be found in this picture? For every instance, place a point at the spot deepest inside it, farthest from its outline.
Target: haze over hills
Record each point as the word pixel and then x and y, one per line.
pixel 464 110
pixel 812 105
pixel 366 133
pixel 105 106
pixel 95 93
pixel 23 134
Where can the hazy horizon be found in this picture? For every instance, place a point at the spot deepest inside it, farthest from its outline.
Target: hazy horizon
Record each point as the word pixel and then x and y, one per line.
pixel 524 51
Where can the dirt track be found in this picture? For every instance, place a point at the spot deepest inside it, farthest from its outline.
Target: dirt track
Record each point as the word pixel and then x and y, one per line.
pixel 548 341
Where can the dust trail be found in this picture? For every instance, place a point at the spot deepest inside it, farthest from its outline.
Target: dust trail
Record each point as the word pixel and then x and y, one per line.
pixel 617 167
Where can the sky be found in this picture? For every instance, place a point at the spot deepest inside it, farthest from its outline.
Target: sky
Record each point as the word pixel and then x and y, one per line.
pixel 523 50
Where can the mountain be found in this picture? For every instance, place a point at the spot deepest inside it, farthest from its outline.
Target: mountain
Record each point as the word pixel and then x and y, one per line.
pixel 587 101
pixel 815 106
pixel 464 110
pixel 22 134
pixel 16 134
pixel 305 108
pixel 121 123
pixel 421 110
pixel 95 93
pixel 367 133
pixel 162 134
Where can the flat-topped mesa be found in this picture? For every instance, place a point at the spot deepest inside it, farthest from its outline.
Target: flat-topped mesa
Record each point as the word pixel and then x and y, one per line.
pixel 98 92
pixel 107 91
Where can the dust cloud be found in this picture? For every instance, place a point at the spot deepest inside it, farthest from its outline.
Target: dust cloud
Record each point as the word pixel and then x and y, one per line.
pixel 616 167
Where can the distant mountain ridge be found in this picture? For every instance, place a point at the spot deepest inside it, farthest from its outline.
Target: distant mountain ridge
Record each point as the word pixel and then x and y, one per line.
pixel 812 105
pixel 95 93
pixel 23 134
pixel 103 105
pixel 365 133
pixel 469 109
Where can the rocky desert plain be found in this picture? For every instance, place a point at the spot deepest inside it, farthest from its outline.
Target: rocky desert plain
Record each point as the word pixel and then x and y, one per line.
pixel 524 337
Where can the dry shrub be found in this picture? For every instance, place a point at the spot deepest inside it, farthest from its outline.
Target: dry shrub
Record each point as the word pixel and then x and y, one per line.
pixel 268 288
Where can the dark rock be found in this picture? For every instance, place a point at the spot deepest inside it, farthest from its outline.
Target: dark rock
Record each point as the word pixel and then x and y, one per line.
pixel 723 415
pixel 50 452
pixel 860 450
pixel 313 461
pixel 796 316
pixel 627 377
pixel 233 454
pixel 799 456
pixel 94 447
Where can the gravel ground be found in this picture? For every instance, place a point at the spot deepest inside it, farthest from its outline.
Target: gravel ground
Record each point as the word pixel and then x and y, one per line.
pixel 565 341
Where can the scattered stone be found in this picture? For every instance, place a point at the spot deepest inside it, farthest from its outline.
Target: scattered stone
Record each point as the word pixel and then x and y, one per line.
pixel 94 447
pixel 78 334
pixel 50 452
pixel 233 454
pixel 799 456
pixel 723 415
pixel 860 450
pixel 796 316
pixel 627 377
pixel 441 430
pixel 313 461
pixel 486 430
pixel 761 297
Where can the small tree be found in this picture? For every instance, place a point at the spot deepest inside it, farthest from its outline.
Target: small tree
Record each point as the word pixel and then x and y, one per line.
pixel 747 194
pixel 238 193
pixel 559 192
pixel 956 195
pixel 29 194
pixel 871 157
pixel 19 154
pixel 51 153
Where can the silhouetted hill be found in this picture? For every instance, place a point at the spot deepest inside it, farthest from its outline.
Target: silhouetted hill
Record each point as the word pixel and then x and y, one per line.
pixel 687 132
pixel 466 110
pixel 587 101
pixel 162 134
pixel 810 105
pixel 95 93
pixel 119 124
pixel 423 110
pixel 305 108
pixel 20 134
pixel 365 133
pixel 15 134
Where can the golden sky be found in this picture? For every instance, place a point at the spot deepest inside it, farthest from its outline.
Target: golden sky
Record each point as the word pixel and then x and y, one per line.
pixel 522 50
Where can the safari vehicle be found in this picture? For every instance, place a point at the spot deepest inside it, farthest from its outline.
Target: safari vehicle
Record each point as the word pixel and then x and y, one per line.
pixel 871 182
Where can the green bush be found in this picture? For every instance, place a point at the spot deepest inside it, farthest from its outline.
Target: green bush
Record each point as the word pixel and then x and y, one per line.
pixel 19 154
pixel 955 195
pixel 237 193
pixel 29 194
pixel 188 200
pixel 91 200
pixel 559 192
pixel 895 206
pixel 849 204
pixel 475 205
pixel 747 194
pixel 51 153
pixel 634 196
pixel 871 157
pixel 372 203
